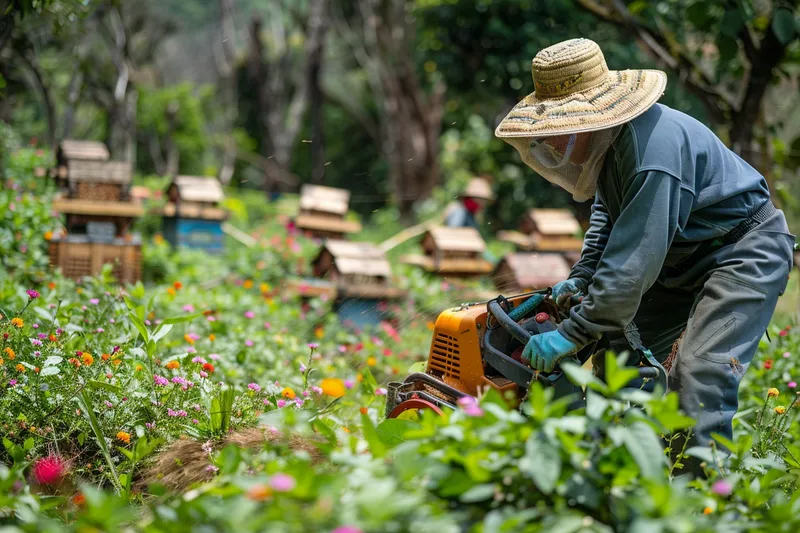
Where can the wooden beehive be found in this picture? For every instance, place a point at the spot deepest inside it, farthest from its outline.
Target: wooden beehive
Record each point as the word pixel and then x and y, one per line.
pixel 85 172
pixel 77 257
pixel 322 213
pixel 521 272
pixel 359 269
pixel 546 230
pixel 455 252
pixel 192 216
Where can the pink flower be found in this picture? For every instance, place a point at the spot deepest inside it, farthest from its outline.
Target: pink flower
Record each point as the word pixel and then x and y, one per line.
pixel 32 294
pixel 254 387
pixel 348 384
pixel 249 314
pixel 342 348
pixel 36 342
pixel 109 404
pixel 36 326
pixel 195 421
pixel 266 401
pixel 282 483
pixel 203 374
pixel 160 380
pixel 94 301
pixel 211 318
pixel 787 354
pixel 470 406
pixel 189 308
pixel 267 325
pixel 193 336
pixel 299 402
pixel 248 342
pixel 12 382
pixel 198 359
pixel 281 403
pixel 791 384
pixel 303 368
pixel 380 391
pixel 317 390
pixel 213 356
pixel 99 330
pixel 722 488
pixel 313 345
pixel 346 529
pixel 191 349
pixel 50 470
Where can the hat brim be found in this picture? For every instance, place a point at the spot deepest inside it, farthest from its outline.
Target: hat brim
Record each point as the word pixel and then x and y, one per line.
pixel 626 95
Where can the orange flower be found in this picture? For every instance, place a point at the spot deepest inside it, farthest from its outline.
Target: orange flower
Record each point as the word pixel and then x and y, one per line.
pixel 48 235
pixel 248 284
pixel 173 365
pixel 17 321
pixel 170 291
pixel 51 285
pixel 364 410
pixel 52 337
pixel 139 367
pixel 430 325
pixel 264 287
pixel 359 378
pixel 20 368
pixel 178 285
pixel 10 353
pixel 87 359
pixel 124 436
pixel 773 393
pixel 319 333
pixel 74 362
pixel 371 361
pixel 116 362
pixel 105 357
pixel 188 339
pixel 36 369
pixel 333 387
pixel 259 493
pixel 212 337
pixel 79 499
pixel 287 392
pixel 708 510
pixel 780 409
pixel 2 361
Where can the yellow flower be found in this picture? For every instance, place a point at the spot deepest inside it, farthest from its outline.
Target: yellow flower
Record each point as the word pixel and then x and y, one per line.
pixel 87 359
pixel 371 361
pixel 287 392
pixel 10 353
pixel 173 365
pixel 773 393
pixel 170 291
pixel 79 290
pixel 319 333
pixel 124 436
pixel 359 378
pixel 248 284
pixel 158 238
pixel 780 409
pixel 332 387
pixel 139 367
pixel 48 235
pixel 264 287
pixel 188 339
pixel 20 368
pixel 708 510
pixel 212 337
pixel 17 321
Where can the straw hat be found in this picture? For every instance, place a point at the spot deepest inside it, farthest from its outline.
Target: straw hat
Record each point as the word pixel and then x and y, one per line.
pixel 478 188
pixel 575 92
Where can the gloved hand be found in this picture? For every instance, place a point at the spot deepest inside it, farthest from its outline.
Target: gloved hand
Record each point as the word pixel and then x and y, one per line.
pixel 564 290
pixel 544 351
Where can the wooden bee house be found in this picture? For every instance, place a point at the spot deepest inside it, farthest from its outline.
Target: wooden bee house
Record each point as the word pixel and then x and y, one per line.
pixel 93 197
pixel 323 211
pixel 192 215
pixel 546 230
pixel 522 272
pixel 452 252
pixel 85 172
pixel 362 276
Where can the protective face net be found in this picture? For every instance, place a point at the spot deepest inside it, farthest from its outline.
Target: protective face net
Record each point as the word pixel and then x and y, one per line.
pixel 553 159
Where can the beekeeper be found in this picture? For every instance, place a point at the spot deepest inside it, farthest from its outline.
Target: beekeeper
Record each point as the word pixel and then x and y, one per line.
pixel 683 240
pixel 464 211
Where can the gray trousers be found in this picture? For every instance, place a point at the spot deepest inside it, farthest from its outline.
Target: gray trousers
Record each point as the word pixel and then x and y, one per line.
pixel 724 303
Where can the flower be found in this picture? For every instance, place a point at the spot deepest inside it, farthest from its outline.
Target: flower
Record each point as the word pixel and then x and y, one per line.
pixel 346 529
pixel 87 359
pixel 124 436
pixel 363 410
pixel 780 409
pixel 470 406
pixel 380 391
pixel 17 321
pixel 50 470
pixel 259 493
pixel 708 510
pixel 287 392
pixel 212 337
pixel 792 384
pixel 313 345
pixel 208 367
pixel 333 387
pixel 32 294
pixel 109 404
pixel 188 338
pixel 773 393
pixel 181 412
pixel 203 374
pixel 188 308
pixel 10 353
pixel 248 342
pixel 282 482
pixel 281 403
pixel 767 364
pixel 79 499
pixel 371 361
pixel 48 235
pixel 178 285
pixel 94 301
pixel 255 387
pixel 173 365
pixel 786 355
pixel 248 284
pixel 722 488
pixel 160 380
pixel 249 314
pixel 20 368
pixel 36 342
pixel 105 356
pixel 783 333
pixel 348 384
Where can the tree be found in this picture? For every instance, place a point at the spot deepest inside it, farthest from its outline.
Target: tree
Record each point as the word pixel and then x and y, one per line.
pixel 727 53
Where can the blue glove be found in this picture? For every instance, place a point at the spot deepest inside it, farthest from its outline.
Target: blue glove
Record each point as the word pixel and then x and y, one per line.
pixel 543 352
pixel 564 290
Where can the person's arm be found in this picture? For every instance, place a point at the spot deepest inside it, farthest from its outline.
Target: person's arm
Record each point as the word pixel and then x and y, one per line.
pixel 632 259
pixel 456 216
pixel 594 242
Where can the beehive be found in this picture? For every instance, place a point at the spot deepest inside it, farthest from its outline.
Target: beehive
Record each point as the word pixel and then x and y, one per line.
pixel 322 213
pixel 192 216
pixel 85 172
pixel 77 257
pixel 455 252
pixel 546 230
pixel 522 272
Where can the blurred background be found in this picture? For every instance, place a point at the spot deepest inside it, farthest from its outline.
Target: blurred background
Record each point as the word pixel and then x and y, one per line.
pixel 395 100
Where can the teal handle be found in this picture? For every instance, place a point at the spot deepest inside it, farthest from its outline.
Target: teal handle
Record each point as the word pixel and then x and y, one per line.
pixel 526 307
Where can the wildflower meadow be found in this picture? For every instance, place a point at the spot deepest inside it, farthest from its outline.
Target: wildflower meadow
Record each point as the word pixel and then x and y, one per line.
pixel 209 398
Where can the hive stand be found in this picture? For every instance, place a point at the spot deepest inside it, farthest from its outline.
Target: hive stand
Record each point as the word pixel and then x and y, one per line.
pixel 362 277
pixel 452 253
pixel 192 216
pixel 528 271
pixel 93 194
pixel 322 213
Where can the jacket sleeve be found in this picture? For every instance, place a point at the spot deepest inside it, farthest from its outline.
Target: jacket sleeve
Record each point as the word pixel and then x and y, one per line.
pixel 633 257
pixel 594 242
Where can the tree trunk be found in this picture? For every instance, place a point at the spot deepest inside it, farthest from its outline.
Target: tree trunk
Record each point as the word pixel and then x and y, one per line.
pixel 317 26
pixel 73 94
pixel 37 81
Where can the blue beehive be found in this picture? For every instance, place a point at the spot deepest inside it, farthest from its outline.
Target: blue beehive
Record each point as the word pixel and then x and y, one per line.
pixel 192 216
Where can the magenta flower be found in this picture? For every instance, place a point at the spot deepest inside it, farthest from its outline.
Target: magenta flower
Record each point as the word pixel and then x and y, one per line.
pixel 267 325
pixel 282 483
pixel 346 529
pixel 248 342
pixel 203 374
pixel 317 390
pixel 786 354
pixel 32 294
pixel 348 384
pixel 470 406
pixel 160 380
pixel 35 326
pixel 37 353
pixel 36 342
pixel 791 384
pixel 94 301
pixel 181 412
pixel 380 391
pixel 281 403
pixel 255 387
pixel 109 404
pixel 198 359
pixel 189 308
pixel 213 356
pixel 313 345
pixel 42 336
pixel 249 314
pixel 12 382
pixel 722 487
pixel 211 318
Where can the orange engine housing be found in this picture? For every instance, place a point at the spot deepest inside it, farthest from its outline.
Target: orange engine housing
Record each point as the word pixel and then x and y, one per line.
pixel 455 354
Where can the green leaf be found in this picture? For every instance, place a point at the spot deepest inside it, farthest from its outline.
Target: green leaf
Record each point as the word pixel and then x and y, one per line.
pixel 179 319
pixel 728 47
pixel 85 401
pixel 28 444
pixel 139 326
pixel 49 371
pixel 52 360
pixel 392 430
pixel 161 332
pixel 43 314
pixel 321 427
pixel 541 462
pixel 419 366
pixel 376 445
pixel 783 24
pixel 724 441
pixel 732 22
pixel 127 453
pixel 94 384
pixel 645 448
pixel 478 493
pixel 618 377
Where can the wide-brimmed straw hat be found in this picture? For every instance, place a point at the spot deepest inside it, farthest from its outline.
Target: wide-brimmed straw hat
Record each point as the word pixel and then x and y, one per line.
pixel 575 92
pixel 478 188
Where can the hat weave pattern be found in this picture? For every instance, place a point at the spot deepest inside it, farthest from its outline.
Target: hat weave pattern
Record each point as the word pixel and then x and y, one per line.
pixel 576 92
